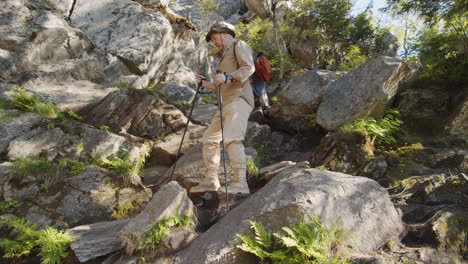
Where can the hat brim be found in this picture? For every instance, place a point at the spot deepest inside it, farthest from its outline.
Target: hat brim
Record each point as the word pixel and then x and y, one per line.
pixel 221 30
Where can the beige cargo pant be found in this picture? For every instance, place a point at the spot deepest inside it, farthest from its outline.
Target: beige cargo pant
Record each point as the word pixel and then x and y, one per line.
pixel 236 115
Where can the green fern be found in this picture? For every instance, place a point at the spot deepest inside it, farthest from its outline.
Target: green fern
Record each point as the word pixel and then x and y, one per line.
pixel 382 131
pixel 252 168
pixel 34 165
pixel 306 242
pixel 74 166
pixel 51 243
pixel 74 115
pixel 130 169
pixel 159 231
pixel 7 205
pixel 31 103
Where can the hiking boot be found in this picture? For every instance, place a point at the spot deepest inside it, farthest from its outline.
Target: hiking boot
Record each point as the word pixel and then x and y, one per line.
pixel 210 183
pixel 239 185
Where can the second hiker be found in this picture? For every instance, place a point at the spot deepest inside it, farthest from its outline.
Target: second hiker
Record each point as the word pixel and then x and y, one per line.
pixel 238 101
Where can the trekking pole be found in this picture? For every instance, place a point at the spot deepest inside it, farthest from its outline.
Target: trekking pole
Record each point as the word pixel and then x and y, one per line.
pixel 186 126
pixel 220 100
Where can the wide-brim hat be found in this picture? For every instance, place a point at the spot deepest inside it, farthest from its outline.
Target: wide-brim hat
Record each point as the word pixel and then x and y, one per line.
pixel 221 27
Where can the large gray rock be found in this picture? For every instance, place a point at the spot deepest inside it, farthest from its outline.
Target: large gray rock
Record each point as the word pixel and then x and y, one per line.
pixel 7 63
pixel 258 136
pixel 164 151
pixel 365 92
pixel 203 114
pixel 43 42
pixel 424 109
pixel 97 239
pixel 138 113
pixel 126 29
pixel 261 8
pixel 35 142
pixel 73 199
pixel 293 195
pixel 73 95
pixel 299 98
pixel 30 135
pixel 17 126
pixel 302 50
pixel 189 9
pixel 177 93
pixel 170 200
pixel 459 121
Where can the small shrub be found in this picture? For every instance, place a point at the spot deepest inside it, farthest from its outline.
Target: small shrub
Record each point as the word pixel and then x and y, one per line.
pixel 159 231
pixel 34 166
pixel 274 99
pixel 129 169
pixel 26 103
pixel 122 85
pixel 79 148
pixel 252 168
pixel 4 104
pixel 7 205
pixel 313 121
pixel 105 128
pixel 74 166
pixel 306 242
pixel 74 115
pixel 383 130
pixel 207 100
pixel 5 115
pixel 353 59
pixel 51 243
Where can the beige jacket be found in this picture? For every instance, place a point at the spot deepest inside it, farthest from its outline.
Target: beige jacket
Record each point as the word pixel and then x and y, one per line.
pixel 241 69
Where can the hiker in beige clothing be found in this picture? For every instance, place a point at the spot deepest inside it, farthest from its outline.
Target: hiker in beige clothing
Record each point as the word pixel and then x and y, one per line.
pixel 238 101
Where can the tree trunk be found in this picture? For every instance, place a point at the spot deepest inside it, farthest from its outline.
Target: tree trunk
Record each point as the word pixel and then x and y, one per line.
pixel 314 56
pixel 278 46
pixel 406 36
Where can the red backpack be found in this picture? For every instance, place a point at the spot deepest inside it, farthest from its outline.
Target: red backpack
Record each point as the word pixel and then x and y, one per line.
pixel 263 67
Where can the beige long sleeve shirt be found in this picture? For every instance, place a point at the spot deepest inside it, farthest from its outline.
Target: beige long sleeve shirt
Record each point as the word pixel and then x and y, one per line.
pixel 241 66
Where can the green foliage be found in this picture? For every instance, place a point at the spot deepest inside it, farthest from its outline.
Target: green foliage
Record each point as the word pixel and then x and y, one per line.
pixel 74 115
pixel 208 100
pixel 105 128
pixel 74 166
pixel 7 205
pixel 208 10
pixel 51 243
pixel 5 104
pixel 353 59
pixel 362 32
pixel 321 167
pixel 5 115
pixel 274 99
pixel 259 34
pixel 122 85
pixel 313 121
pixel 205 100
pixel 181 106
pixel 383 130
pixel 129 168
pixel 252 168
pixel 24 102
pixel 442 55
pixel 79 147
pixel 306 242
pixel 442 47
pixel 34 166
pixel 124 211
pixel 159 231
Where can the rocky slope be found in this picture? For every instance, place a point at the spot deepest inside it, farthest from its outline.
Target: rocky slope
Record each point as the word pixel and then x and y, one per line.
pixel 118 77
